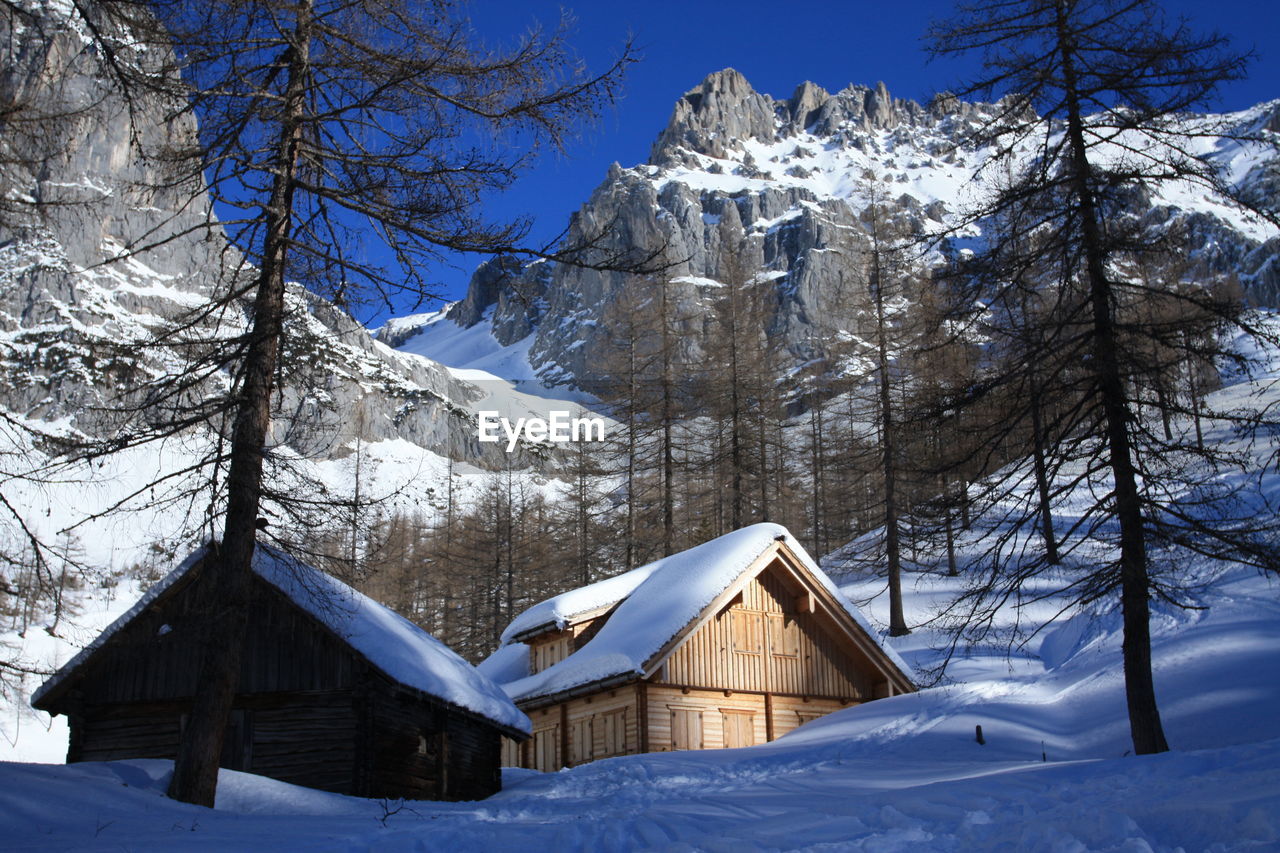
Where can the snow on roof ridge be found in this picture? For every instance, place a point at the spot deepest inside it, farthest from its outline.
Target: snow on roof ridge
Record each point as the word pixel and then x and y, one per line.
pixel 660 600
pixel 401 650
pixel 559 610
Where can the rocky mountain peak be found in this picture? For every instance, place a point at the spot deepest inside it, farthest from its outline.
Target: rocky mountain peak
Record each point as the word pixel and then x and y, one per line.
pixel 720 110
pixel 791 178
pixel 723 110
pixel 806 102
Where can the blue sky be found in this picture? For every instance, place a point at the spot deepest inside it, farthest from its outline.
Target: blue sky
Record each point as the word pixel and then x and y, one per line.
pixel 776 45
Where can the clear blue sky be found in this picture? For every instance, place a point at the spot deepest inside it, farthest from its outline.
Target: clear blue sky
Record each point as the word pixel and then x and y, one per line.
pixel 777 45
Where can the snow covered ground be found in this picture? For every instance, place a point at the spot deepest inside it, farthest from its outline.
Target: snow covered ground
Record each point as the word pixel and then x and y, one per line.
pixel 898 774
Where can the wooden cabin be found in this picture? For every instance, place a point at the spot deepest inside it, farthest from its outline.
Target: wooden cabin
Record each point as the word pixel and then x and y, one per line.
pixel 336 691
pixel 732 643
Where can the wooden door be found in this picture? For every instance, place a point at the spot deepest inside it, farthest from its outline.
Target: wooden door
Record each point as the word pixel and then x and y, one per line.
pixel 614 735
pixel 686 728
pixel 739 728
pixel 237 742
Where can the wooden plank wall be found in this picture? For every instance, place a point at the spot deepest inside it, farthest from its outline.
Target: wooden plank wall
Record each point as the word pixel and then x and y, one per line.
pixel 549 649
pixel 420 749
pixel 305 739
pixel 554 646
pixel 610 715
pixel 791 712
pixel 141 732
pixel 407 748
pixel 151 659
pixel 474 766
pixel 744 648
pixel 713 705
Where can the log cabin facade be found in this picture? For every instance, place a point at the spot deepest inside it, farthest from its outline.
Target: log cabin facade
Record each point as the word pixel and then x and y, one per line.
pixel 336 692
pixel 768 645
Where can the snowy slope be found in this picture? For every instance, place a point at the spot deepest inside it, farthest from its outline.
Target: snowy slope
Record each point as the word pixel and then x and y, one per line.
pixel 899 774
pixel 503 374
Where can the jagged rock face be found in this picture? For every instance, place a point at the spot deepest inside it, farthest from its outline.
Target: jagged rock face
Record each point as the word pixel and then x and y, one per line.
pixel 78 173
pixel 793 177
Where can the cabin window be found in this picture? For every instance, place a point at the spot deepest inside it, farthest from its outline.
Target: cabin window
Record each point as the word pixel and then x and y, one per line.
pixel 581 733
pixel 613 733
pixel 747 633
pixel 686 728
pixel 784 636
pixel 546 749
pixel 739 727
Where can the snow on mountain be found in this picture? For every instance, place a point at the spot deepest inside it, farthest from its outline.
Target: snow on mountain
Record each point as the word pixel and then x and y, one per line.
pixel 792 176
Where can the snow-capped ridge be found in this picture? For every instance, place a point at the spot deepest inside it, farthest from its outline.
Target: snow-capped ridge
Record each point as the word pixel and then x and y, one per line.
pixel 792 178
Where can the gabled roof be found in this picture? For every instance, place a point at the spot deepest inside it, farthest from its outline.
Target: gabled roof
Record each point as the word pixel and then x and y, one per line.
pixel 392 644
pixel 654 606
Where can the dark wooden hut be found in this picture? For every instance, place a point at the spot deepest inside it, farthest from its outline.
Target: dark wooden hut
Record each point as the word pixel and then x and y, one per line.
pixel 336 691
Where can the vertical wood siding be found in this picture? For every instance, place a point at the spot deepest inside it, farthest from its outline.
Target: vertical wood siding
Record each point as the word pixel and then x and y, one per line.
pixel 759 642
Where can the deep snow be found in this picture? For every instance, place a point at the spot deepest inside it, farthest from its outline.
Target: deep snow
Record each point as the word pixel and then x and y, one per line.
pixel 897 774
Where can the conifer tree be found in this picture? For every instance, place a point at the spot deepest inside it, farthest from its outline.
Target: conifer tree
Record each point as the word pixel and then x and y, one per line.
pixel 1093 88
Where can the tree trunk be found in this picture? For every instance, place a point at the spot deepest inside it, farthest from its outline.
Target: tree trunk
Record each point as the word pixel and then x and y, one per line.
pixel 897 621
pixel 1042 477
pixel 668 453
pixel 1194 389
pixel 1144 716
pixel 228 572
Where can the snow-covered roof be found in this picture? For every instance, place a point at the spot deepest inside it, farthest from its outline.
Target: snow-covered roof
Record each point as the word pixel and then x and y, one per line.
pixel 507 663
pixel 562 610
pixel 656 602
pixel 399 649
